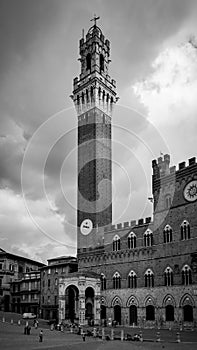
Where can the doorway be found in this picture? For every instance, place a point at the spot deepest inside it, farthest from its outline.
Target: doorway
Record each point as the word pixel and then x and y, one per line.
pixel 89 305
pixel 71 303
pixel 188 313
pixel 117 314
pixel 133 315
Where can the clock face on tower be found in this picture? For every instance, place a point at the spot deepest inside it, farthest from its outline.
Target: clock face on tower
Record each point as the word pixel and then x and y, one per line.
pixel 86 227
pixel 190 191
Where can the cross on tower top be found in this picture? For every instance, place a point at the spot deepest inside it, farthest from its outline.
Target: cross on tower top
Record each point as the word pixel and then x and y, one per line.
pixel 95 19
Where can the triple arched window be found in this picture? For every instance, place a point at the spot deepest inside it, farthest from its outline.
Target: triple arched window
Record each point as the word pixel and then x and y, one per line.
pixel 185 230
pixel 149 278
pixel 116 243
pixel 116 281
pixel 148 238
pixel 168 277
pixel 167 234
pixel 186 275
pixel 132 280
pixel 131 240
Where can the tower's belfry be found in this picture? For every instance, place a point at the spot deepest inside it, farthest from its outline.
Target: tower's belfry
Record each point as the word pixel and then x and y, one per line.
pixel 94 96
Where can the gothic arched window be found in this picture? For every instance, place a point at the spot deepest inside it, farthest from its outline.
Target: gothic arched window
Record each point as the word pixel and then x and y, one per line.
pixel 101 63
pixel 148 238
pixel 103 282
pixel 131 240
pixel 167 234
pixel 149 278
pixel 88 61
pixel 186 275
pixel 168 277
pixel 116 243
pixel 132 280
pixel 116 281
pixel 185 230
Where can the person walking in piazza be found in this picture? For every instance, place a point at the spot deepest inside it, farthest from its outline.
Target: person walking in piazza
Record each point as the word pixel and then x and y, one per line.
pixel 83 336
pixel 94 332
pixel 41 336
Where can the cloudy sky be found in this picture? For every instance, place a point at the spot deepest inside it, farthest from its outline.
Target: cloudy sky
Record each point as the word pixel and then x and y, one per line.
pixel 154 61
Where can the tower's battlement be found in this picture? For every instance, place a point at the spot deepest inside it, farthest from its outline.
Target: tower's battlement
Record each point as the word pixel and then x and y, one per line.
pixel 161 166
pixel 127 224
pixel 169 183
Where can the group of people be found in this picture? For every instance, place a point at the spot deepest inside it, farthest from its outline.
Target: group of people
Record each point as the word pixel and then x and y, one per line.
pixel 27 329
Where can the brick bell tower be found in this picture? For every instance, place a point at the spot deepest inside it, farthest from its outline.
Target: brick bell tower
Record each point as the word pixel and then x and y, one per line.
pixel 94 94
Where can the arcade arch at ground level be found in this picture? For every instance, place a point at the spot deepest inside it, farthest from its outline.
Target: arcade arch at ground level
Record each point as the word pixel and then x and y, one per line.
pixel 157 308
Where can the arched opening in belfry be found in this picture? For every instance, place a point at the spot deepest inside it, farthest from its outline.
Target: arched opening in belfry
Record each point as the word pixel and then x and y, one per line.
pixel 101 63
pixel 88 61
pixel 71 303
pixel 92 93
pixel 87 96
pixel 103 97
pixel 89 305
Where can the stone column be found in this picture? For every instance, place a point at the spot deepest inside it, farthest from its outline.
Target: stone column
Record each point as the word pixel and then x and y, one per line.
pixel 141 316
pixel 61 309
pixel 76 308
pixel 82 309
pixel 97 310
pixel 125 316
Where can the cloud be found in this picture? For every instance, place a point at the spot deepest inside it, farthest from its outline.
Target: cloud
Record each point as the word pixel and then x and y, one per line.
pixel 169 95
pixel 12 146
pixel 32 228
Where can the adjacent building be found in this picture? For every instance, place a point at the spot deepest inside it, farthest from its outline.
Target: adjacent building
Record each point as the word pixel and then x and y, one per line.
pixel 25 293
pixel 56 269
pixel 13 268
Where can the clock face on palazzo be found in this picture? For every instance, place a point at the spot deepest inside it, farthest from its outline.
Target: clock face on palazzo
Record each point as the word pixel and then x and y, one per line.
pixel 190 191
pixel 86 226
